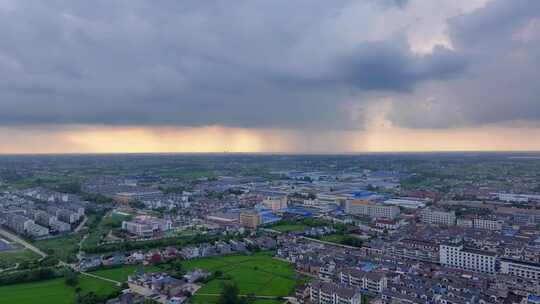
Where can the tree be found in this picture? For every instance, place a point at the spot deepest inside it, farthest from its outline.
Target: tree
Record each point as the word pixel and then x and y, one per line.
pixel 176 269
pixel 88 298
pixel 71 278
pixel 351 241
pixel 229 294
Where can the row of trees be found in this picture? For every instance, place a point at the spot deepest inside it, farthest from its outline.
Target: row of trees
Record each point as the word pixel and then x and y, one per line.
pixel 31 275
pixel 146 245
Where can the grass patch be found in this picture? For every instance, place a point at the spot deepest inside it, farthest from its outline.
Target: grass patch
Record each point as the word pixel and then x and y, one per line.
pixel 213 299
pixel 64 248
pixel 55 291
pixel 121 274
pixel 52 291
pixel 289 227
pixel 10 258
pixel 259 274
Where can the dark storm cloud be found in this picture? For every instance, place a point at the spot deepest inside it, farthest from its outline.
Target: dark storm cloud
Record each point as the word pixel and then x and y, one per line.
pixel 195 63
pixel 386 66
pixel 502 42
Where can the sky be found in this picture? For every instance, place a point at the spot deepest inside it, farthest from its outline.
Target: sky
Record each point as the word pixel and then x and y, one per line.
pixel 313 76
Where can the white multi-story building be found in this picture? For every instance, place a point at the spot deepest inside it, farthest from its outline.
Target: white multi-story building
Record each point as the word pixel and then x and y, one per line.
pixel 521 269
pixel 330 293
pixel 464 222
pixel 36 230
pixel 511 197
pixel 59 226
pixel 487 224
pixel 409 203
pixel 437 217
pixel 457 256
pixel 146 226
pixel 371 209
pixel 371 281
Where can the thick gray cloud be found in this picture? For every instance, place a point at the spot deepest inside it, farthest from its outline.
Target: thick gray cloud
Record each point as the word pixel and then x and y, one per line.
pixel 501 84
pixel 276 63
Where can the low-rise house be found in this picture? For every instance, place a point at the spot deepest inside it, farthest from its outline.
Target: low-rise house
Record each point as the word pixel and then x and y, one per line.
pixel 196 275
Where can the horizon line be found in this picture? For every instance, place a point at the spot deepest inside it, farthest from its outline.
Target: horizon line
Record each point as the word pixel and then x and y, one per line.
pixel 273 153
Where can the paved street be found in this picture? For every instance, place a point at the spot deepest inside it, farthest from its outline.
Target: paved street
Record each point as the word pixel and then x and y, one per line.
pixel 17 239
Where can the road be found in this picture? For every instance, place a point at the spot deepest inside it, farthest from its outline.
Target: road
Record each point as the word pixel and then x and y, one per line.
pixel 17 239
pixel 329 243
pixel 33 248
pixel 101 278
pixel 81 225
pixel 242 295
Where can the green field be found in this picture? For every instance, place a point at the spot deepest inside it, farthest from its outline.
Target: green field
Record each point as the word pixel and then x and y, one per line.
pixel 289 227
pixel 63 248
pixel 51 291
pixel 259 274
pixel 10 258
pixel 55 291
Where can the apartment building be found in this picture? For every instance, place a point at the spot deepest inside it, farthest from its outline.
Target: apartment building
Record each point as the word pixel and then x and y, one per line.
pixel 522 269
pixel 67 216
pixel 59 226
pixel 36 230
pixel 438 217
pixel 373 282
pixel 457 256
pixel 464 222
pixel 368 208
pixel 18 223
pixel 43 218
pixel 330 293
pixel 146 226
pixel 487 224
pixel 275 203
pixel 250 219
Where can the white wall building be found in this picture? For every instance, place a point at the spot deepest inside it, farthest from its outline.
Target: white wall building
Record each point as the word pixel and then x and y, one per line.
pixel 146 226
pixel 372 281
pixel 521 269
pixel 408 203
pixel 487 224
pixel 371 209
pixel 464 222
pixel 436 217
pixel 457 256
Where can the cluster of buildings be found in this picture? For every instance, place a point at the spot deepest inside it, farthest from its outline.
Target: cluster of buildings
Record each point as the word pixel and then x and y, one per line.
pixel 463 275
pixel 141 189
pixel 163 288
pixel 40 213
pixel 228 247
pixel 156 256
pixel 419 247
